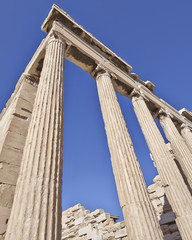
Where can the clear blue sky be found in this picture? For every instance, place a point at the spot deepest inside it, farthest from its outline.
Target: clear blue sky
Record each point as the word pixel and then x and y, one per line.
pixel 154 37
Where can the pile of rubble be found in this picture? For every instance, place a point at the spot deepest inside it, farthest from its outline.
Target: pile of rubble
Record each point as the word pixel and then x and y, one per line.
pixel 79 223
pixel 163 210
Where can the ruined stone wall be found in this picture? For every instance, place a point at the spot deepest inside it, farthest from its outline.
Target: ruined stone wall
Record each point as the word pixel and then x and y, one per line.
pixel 163 210
pixel 79 223
pixel 14 122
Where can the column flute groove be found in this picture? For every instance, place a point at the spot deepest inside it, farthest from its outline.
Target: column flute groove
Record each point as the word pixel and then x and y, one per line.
pixel 175 188
pixel 180 148
pixel 36 212
pixel 140 219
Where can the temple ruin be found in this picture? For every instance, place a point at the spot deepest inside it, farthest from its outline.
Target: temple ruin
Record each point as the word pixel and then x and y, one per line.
pixel 31 135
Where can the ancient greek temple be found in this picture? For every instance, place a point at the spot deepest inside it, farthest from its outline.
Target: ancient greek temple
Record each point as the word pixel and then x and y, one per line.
pixel 31 135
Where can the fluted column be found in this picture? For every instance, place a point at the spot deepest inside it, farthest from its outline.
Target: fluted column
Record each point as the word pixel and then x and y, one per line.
pixel 176 190
pixel 180 149
pixel 186 133
pixel 36 211
pixel 140 219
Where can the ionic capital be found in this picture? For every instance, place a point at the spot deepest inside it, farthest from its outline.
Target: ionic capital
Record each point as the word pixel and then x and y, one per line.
pixel 56 38
pixel 100 71
pixel 101 74
pixel 136 94
pixel 184 126
pixel 161 113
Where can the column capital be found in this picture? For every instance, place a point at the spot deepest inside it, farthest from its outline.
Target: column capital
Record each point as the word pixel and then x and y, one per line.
pixel 136 94
pixel 56 38
pixel 101 71
pixel 160 113
pixel 184 126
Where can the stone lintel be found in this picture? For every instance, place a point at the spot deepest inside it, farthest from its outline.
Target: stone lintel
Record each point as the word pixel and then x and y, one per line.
pixel 57 14
pixel 87 57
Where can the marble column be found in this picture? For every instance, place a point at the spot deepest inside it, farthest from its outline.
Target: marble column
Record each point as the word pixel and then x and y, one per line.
pixel 186 133
pixel 180 149
pixel 140 219
pixel 176 190
pixel 36 212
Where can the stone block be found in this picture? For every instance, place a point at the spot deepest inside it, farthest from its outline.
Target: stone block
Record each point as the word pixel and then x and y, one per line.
pixel 102 217
pixel 84 230
pixel 11 155
pixel 8 173
pixel 151 188
pixel 157 179
pixel 92 220
pixel 7 195
pixel 19 125
pixel 28 92
pixel 160 192
pixel 97 238
pixel 97 212
pixel 121 233
pixel 122 224
pixel 117 226
pixel 167 218
pixel 4 216
pixel 92 234
pixel 109 235
pixel 82 238
pixel 24 107
pixel 76 207
pixel 162 199
pixel 15 140
pixel 154 203
pixel 152 196
pixel 79 221
pixel 70 235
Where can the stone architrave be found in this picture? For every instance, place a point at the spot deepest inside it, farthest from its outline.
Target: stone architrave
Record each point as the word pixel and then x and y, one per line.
pixel 186 133
pixel 36 212
pixel 175 188
pixel 178 145
pixel 140 219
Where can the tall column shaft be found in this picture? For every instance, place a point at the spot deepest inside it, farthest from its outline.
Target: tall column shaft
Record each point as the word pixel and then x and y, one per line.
pixel 36 212
pixel 186 133
pixel 176 190
pixel 180 149
pixel 140 219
